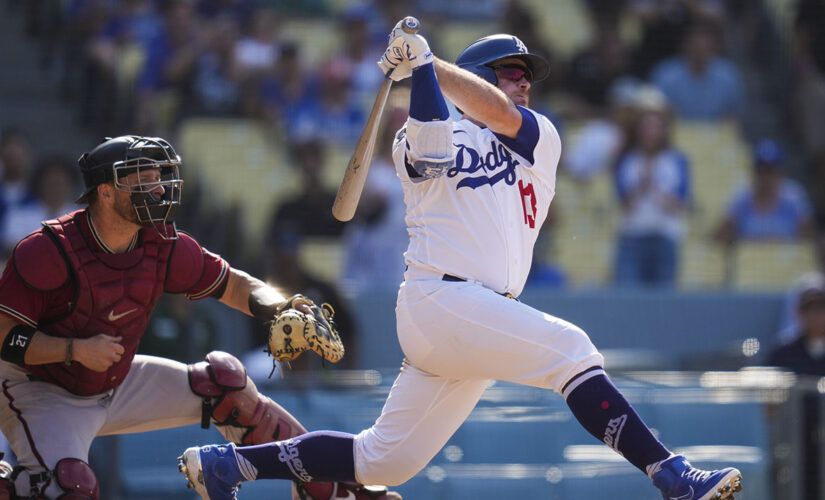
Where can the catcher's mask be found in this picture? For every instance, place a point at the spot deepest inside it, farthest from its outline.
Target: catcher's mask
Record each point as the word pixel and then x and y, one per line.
pixel 116 158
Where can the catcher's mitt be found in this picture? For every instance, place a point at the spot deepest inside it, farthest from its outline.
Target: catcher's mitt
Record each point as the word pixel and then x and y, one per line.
pixel 292 332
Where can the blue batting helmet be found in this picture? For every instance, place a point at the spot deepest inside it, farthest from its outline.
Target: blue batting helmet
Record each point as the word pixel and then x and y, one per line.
pixel 478 57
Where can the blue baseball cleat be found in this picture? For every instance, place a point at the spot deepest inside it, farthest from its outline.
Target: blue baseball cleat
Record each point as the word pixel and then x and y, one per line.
pixel 212 471
pixel 678 480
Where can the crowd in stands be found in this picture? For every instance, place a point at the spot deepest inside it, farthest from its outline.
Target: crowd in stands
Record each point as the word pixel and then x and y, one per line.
pixel 147 66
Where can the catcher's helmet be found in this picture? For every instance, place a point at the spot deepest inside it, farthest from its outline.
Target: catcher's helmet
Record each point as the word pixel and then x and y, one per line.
pixel 118 157
pixel 479 56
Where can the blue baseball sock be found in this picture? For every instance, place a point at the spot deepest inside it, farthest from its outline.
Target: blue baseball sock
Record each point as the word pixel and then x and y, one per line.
pixel 605 413
pixel 315 456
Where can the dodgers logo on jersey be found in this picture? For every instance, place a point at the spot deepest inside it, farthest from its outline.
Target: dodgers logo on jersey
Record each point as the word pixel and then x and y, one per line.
pixel 469 161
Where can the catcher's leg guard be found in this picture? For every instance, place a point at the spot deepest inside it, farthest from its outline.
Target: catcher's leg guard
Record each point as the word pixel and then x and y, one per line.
pixel 231 400
pixel 77 479
pixel 71 479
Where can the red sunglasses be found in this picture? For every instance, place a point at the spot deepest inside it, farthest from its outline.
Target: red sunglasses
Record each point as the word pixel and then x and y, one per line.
pixel 514 72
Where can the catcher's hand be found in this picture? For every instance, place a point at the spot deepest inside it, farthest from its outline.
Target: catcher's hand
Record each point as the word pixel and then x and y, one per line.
pixel 292 332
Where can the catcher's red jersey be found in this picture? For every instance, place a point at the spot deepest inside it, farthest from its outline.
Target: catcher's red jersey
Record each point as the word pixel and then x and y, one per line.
pixel 63 282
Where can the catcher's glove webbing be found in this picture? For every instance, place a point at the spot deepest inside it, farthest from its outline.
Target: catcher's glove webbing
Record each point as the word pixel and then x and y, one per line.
pixel 292 332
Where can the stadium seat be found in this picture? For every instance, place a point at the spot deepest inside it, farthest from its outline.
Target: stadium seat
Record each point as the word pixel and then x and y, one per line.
pixel 770 266
pixel 701 264
pixel 719 162
pixel 239 162
pixel 583 236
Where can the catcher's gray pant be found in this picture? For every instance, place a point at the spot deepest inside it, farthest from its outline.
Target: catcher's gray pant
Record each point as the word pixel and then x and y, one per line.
pixel 457 337
pixel 45 423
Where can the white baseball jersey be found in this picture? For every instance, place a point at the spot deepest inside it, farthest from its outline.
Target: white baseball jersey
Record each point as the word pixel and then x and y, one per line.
pixel 478 221
pixel 481 219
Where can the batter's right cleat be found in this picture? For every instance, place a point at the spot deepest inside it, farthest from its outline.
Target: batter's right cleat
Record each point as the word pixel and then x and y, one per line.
pixel 212 471
pixel 678 480
pixel 344 491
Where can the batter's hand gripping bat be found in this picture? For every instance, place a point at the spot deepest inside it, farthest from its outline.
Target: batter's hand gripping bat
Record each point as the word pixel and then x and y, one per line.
pixel 359 165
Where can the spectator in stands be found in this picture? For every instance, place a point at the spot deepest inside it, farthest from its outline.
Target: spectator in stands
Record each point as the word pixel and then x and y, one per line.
pixel 663 26
pixel 15 161
pixel 789 327
pixel 286 88
pixel 808 79
pixel 334 112
pixel 806 356
pixel 215 87
pixel 115 58
pixel 54 183
pixel 594 69
pixel 773 208
pixel 360 50
pixel 376 239
pixel 653 183
pixel 166 77
pixel 602 140
pixel 256 52
pixel 699 84
pixel 308 213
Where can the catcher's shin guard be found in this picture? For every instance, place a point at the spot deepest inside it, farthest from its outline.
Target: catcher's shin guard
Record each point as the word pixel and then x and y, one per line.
pixel 231 400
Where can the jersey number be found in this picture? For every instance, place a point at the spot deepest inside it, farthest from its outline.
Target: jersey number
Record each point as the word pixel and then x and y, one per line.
pixel 528 203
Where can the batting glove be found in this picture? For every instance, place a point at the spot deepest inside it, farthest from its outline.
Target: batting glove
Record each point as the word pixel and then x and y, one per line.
pixel 402 47
pixel 393 64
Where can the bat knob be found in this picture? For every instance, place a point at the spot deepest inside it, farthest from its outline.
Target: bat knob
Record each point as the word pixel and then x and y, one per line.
pixel 410 25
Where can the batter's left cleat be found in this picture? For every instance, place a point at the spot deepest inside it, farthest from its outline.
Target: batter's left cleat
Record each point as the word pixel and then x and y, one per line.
pixel 212 471
pixel 344 490
pixel 678 480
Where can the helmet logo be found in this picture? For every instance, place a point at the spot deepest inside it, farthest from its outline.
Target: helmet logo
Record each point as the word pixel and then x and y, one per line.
pixel 520 46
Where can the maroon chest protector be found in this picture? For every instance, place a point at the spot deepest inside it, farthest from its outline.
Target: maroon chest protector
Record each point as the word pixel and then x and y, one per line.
pixel 114 294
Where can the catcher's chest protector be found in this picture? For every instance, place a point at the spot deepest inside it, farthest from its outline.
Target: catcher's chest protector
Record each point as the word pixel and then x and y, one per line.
pixel 115 295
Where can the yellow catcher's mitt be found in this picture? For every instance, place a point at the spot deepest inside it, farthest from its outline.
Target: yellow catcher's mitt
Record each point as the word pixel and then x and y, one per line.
pixel 292 332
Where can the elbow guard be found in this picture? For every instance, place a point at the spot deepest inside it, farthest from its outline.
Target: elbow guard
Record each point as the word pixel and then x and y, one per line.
pixel 430 148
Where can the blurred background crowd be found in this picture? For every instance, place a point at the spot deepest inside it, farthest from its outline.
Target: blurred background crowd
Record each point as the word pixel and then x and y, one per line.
pixel 692 152
pixel 689 217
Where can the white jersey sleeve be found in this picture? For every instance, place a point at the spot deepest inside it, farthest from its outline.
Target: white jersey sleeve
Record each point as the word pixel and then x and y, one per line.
pixel 481 219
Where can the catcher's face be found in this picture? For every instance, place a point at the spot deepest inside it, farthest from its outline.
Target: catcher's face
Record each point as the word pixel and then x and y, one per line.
pixel 147 180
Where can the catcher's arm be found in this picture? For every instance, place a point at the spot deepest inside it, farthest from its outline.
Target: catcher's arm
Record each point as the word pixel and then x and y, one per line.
pixel 296 324
pixel 254 297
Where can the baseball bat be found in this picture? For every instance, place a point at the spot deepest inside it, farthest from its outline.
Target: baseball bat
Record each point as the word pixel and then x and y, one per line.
pixel 349 192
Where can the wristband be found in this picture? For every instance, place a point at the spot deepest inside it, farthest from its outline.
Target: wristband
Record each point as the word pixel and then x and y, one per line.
pixel 69 352
pixel 16 344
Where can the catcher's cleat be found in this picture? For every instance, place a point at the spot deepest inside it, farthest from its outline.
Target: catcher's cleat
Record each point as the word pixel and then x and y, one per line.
pixel 678 480
pixel 212 471
pixel 344 490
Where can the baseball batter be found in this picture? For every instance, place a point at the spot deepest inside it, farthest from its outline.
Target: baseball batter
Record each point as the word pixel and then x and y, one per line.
pixel 477 192
pixel 75 299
